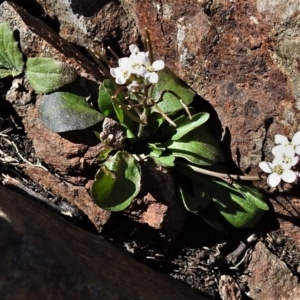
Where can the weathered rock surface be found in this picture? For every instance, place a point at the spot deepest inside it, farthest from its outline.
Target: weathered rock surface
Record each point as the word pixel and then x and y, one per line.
pixel 38 39
pixel 226 51
pixel 287 210
pixel 45 257
pixel 270 279
pixel 241 56
pixel 94 24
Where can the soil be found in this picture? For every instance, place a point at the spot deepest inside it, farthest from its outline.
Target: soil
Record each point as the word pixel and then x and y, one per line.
pixel 200 256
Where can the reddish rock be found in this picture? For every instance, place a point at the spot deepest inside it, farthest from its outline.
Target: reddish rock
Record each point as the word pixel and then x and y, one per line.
pixel 154 215
pixel 269 277
pixel 228 288
pixel 287 211
pixel 38 39
pixel 79 196
pixel 225 51
pixel 94 24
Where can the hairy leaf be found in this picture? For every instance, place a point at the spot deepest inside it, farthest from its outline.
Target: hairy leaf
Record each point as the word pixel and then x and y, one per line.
pixel 199 206
pixel 197 146
pixel 66 111
pixel 185 125
pixel 165 160
pixel 252 194
pixel 106 90
pixel 11 57
pixel 47 75
pixel 117 182
pixel 5 73
pixel 228 201
pixel 111 108
pixel 170 82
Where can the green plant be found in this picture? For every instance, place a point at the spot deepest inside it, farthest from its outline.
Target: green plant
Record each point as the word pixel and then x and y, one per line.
pixel 153 109
pixel 158 124
pixel 63 110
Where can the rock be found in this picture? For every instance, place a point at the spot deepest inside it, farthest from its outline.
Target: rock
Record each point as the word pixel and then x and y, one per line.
pixel 269 277
pixel 228 288
pixel 38 39
pixel 288 209
pixel 93 24
pixel 44 256
pixel 77 195
pixel 226 51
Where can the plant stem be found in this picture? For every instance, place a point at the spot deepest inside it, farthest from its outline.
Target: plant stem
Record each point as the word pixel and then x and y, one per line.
pixel 163 114
pixel 221 175
pixel 149 45
pixel 98 61
pixel 125 110
pixel 144 118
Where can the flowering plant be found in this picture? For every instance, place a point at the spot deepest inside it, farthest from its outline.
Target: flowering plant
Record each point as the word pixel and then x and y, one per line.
pixel 158 123
pixel 286 156
pixel 146 114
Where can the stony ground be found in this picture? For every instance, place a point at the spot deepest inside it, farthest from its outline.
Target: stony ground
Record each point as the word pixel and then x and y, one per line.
pixel 222 265
pixel 243 62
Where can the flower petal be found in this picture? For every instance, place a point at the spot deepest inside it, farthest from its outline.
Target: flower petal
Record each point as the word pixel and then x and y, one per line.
pixel 288 176
pixel 158 65
pixel 281 139
pixel 273 179
pixel 142 71
pixel 152 77
pixel 114 72
pixel 143 59
pixel 125 63
pixel 289 151
pixel 297 150
pixel 267 167
pixel 296 139
pixel 120 80
pixel 295 160
pixel 278 150
pixel 134 50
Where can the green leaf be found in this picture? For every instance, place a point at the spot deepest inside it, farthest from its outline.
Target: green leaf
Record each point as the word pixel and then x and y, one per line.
pixel 252 194
pixel 5 73
pixel 66 111
pixel 169 81
pixel 202 194
pixel 111 109
pixel 165 161
pixel 189 201
pixel 10 56
pixel 117 182
pixel 47 75
pixel 155 150
pixel 103 154
pixel 197 146
pixel 228 201
pixel 185 125
pixel 106 90
pixel 194 205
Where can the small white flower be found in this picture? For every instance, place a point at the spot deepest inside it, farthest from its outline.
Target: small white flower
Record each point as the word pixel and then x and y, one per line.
pixel 123 72
pixel 286 148
pixel 278 171
pixel 146 69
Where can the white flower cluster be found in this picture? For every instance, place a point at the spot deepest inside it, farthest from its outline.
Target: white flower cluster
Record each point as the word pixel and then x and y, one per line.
pixel 286 156
pixel 133 69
